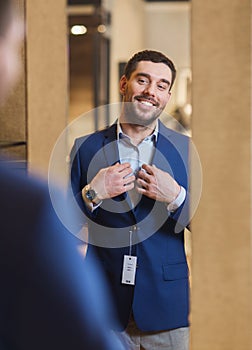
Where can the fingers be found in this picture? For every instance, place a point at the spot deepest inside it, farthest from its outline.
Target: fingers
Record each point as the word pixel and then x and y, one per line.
pixel 119 178
pixel 150 169
pixel 120 167
pixel 145 180
pixel 144 176
pixel 129 186
pixel 128 178
pixel 124 172
pixel 145 188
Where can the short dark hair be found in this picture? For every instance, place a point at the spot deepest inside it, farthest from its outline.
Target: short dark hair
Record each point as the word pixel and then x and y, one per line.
pixel 149 55
pixel 6 7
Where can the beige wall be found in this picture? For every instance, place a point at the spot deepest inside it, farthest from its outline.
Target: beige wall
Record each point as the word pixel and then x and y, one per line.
pixel 167 28
pixel 221 263
pixel 127 37
pixel 47 95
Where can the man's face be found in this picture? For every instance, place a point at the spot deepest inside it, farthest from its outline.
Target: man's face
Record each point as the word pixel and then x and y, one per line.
pixel 9 57
pixel 147 90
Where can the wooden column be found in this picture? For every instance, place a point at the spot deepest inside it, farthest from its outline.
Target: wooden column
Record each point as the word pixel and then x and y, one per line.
pixel 47 75
pixel 14 112
pixel 221 124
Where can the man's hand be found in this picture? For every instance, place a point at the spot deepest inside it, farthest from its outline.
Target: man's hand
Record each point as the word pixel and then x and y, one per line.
pixel 157 184
pixel 113 181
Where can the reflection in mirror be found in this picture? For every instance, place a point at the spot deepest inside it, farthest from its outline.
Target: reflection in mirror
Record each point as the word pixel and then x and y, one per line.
pixel 111 32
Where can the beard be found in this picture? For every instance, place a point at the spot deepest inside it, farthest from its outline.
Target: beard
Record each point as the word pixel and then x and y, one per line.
pixel 136 113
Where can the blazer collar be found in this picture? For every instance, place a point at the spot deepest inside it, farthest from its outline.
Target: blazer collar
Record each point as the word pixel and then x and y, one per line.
pixel 111 148
pixel 110 145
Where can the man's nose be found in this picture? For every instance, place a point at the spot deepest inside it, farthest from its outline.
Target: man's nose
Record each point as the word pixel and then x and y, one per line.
pixel 150 89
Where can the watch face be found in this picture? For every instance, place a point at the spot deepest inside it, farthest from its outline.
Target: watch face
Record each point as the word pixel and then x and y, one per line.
pixel 90 194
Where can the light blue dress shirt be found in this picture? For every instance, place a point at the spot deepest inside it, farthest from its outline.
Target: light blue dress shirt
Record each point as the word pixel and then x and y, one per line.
pixel 140 154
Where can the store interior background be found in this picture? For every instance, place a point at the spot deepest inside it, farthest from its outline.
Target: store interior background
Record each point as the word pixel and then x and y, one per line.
pixel 210 42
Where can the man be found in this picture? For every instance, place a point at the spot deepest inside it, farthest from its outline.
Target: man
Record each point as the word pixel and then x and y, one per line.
pixel 131 181
pixel 48 298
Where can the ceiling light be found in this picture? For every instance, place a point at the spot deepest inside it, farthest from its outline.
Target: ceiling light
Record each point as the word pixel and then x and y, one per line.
pixel 78 30
pixel 101 28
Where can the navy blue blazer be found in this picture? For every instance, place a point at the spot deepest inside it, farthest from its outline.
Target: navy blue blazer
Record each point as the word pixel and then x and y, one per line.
pixel 159 300
pixel 49 297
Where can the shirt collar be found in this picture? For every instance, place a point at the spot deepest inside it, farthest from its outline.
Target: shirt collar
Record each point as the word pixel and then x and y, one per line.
pixel 120 133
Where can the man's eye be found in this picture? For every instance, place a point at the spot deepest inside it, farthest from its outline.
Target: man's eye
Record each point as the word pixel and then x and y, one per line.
pixel 143 81
pixel 162 86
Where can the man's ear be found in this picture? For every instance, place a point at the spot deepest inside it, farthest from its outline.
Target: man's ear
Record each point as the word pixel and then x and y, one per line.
pixel 123 85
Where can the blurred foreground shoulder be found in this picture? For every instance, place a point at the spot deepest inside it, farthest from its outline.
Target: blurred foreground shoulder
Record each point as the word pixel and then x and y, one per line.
pixel 50 298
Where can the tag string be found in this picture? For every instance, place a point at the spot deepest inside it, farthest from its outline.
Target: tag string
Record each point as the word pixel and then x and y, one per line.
pixel 130 242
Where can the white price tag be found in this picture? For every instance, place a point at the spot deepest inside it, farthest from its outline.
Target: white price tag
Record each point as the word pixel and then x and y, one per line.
pixel 129 269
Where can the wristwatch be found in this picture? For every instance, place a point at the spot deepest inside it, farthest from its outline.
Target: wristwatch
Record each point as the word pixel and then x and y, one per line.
pixel 89 195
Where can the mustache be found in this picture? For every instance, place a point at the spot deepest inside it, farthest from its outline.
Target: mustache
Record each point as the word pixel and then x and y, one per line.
pixel 147 98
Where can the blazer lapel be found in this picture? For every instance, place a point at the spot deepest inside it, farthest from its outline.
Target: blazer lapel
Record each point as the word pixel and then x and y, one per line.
pixel 163 149
pixel 171 153
pixel 111 155
pixel 110 146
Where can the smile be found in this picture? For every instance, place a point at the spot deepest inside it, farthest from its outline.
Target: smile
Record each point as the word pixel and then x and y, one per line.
pixel 147 102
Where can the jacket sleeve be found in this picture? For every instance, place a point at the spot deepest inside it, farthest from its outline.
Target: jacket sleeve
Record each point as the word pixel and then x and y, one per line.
pixel 181 216
pixel 78 179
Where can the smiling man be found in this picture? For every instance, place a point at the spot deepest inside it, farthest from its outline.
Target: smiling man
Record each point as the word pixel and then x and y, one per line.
pixel 131 182
pixel 149 91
